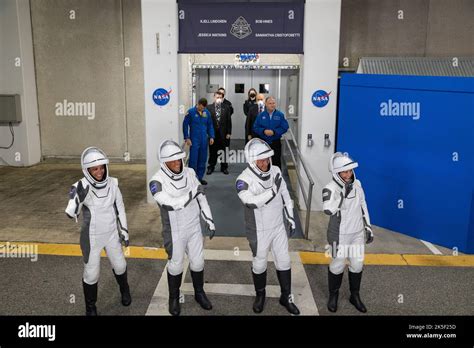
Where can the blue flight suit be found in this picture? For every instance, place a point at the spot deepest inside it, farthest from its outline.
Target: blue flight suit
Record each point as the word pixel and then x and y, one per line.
pixel 278 124
pixel 198 127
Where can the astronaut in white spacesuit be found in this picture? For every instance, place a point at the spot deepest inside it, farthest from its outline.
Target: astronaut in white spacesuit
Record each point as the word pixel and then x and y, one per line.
pixel 104 224
pixel 182 201
pixel 269 220
pixel 349 228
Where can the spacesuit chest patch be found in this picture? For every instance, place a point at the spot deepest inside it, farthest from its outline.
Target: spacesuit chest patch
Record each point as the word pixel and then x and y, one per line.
pixel 241 185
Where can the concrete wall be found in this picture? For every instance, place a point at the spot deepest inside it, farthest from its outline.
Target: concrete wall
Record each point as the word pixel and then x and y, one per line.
pixel 17 76
pixel 134 89
pixel 428 28
pixel 83 60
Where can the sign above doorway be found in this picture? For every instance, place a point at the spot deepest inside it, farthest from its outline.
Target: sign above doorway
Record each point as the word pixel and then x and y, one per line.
pixel 234 26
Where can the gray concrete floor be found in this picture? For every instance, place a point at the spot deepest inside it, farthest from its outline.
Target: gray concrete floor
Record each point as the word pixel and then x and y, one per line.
pixel 53 286
pixel 47 287
pixel 422 290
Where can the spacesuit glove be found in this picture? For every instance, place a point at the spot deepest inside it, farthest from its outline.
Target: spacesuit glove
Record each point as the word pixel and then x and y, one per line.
pixel 82 192
pixel 369 235
pixel 124 238
pixel 201 189
pixel 211 229
pixel 292 225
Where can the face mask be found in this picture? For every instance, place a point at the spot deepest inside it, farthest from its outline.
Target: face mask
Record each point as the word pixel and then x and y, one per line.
pixel 260 103
pixel 252 96
pixel 218 100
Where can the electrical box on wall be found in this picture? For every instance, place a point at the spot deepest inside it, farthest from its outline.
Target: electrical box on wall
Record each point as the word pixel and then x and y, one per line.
pixel 10 108
pixel 211 88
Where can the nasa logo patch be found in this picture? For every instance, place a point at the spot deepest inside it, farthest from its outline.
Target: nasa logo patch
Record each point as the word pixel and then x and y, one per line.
pixel 154 187
pixel 240 185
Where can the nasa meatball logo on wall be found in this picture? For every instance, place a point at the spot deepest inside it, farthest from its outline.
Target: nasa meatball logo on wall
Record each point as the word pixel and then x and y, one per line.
pixel 161 96
pixel 320 98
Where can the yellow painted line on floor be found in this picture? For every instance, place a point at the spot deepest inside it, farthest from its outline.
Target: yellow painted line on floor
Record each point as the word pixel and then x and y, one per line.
pixel 307 258
pixel 319 258
pixel 385 259
pixel 75 250
pixel 313 258
pixel 438 260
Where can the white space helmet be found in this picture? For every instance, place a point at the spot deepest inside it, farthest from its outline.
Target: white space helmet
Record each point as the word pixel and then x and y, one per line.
pixel 257 149
pixel 171 151
pixel 91 157
pixel 341 162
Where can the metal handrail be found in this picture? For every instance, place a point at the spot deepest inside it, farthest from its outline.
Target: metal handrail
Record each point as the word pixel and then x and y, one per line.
pixel 306 197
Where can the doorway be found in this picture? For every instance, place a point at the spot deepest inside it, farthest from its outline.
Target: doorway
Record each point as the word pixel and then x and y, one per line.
pixel 281 83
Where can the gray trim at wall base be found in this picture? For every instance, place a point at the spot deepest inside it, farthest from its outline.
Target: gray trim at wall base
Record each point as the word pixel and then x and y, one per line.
pixel 85 242
pixel 166 232
pixel 251 229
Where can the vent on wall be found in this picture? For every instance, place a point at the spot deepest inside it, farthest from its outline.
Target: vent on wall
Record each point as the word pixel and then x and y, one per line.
pixel 423 66
pixel 10 108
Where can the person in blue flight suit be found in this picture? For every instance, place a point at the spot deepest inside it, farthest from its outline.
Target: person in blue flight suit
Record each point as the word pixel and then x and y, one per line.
pixel 197 129
pixel 270 126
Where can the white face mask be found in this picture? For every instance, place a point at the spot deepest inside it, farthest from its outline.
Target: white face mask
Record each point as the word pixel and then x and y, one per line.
pixel 218 100
pixel 261 103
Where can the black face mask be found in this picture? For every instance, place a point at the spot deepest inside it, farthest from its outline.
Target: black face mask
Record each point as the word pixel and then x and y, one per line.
pixel 252 96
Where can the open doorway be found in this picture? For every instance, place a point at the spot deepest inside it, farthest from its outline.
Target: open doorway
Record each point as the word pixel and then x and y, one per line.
pixel 282 82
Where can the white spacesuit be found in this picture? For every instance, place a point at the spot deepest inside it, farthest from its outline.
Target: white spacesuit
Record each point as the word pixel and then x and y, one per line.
pixel 104 225
pixel 268 219
pixel 349 228
pixel 182 201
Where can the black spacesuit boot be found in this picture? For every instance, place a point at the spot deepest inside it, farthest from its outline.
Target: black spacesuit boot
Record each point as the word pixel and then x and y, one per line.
pixel 199 294
pixel 90 295
pixel 174 283
pixel 354 284
pixel 260 282
pixel 334 282
pixel 124 289
pixel 284 278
